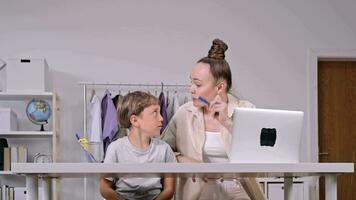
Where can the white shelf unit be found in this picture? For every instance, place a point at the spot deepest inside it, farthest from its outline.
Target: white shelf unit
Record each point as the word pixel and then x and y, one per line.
pixel 15 96
pixel 6 173
pixel 26 134
pixel 274 188
pixel 27 96
pixel 52 135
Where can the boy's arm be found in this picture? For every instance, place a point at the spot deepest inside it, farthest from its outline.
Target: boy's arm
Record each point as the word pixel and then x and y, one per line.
pixel 168 188
pixel 107 191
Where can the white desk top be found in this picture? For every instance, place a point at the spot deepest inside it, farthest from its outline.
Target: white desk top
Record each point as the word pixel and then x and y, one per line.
pixel 77 170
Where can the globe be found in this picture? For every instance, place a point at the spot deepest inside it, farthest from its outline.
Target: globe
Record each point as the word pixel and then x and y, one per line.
pixel 38 112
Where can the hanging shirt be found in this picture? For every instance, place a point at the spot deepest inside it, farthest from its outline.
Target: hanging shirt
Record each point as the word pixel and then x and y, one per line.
pixel 169 111
pixel 173 106
pixel 167 100
pixel 95 128
pixel 109 119
pixel 175 103
pixel 117 100
pixel 186 100
pixel 163 105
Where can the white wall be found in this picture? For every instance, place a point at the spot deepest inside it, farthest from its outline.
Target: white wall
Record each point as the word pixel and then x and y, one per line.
pixel 111 41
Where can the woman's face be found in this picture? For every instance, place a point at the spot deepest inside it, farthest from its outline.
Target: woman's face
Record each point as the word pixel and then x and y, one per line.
pixel 202 84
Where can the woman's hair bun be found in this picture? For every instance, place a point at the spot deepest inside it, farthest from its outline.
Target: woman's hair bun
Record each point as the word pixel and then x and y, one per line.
pixel 217 50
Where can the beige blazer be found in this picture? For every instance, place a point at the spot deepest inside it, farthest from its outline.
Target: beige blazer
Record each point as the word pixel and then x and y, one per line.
pixel 185 133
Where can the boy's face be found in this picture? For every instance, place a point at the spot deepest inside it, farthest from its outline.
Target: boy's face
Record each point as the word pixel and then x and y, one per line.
pixel 150 120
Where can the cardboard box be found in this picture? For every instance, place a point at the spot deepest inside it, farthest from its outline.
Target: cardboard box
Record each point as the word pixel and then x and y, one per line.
pixel 27 75
pixel 8 120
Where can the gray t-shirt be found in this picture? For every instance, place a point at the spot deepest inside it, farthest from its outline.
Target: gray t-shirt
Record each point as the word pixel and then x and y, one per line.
pixel 122 151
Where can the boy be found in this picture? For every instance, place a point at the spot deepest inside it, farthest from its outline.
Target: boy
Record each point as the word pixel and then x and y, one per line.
pixel 140 113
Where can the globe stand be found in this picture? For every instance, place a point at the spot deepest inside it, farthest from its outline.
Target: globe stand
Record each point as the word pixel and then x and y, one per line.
pixel 42 127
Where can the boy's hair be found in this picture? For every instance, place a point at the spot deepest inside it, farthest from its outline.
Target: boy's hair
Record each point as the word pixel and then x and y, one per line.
pixel 133 104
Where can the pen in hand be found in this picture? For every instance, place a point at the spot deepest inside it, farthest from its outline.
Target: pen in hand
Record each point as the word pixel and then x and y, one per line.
pixel 203 100
pixel 206 102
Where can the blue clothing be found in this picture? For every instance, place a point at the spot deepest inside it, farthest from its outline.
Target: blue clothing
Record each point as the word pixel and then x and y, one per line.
pixel 163 112
pixel 109 119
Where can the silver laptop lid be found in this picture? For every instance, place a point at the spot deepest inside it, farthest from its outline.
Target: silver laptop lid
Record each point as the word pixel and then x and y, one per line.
pixel 266 136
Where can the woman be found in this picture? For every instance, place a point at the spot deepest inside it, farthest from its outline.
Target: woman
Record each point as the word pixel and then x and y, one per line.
pixel 200 131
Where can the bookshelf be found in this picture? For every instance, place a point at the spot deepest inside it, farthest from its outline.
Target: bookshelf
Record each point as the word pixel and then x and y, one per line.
pixel 41 141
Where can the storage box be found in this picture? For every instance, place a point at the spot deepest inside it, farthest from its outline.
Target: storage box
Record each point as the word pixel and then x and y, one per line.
pixel 27 75
pixel 8 120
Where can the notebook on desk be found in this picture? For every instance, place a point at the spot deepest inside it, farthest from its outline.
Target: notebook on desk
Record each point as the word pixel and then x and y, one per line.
pixel 266 136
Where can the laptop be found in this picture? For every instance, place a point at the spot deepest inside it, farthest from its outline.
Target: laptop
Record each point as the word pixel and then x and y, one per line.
pixel 266 136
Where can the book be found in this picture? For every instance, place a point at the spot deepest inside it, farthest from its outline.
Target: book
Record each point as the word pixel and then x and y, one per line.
pixel 22 154
pixel 4 192
pixel 3 144
pixel 13 154
pixel 7 159
pixel 11 193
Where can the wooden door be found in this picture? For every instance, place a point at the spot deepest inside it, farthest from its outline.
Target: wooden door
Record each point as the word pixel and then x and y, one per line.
pixel 337 121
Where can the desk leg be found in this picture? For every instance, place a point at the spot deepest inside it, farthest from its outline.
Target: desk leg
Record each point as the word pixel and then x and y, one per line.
pixel 47 188
pixel 330 187
pixel 32 187
pixel 288 188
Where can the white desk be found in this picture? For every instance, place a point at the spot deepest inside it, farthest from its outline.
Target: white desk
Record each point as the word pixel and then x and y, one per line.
pixel 33 171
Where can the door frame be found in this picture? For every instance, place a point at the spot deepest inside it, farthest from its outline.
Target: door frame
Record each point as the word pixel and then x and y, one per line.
pixel 315 55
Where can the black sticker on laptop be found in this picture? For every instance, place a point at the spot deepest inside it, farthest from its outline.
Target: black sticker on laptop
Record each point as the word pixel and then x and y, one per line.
pixel 268 137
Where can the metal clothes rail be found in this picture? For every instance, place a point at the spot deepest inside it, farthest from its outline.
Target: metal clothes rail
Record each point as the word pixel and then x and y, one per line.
pixel 86 84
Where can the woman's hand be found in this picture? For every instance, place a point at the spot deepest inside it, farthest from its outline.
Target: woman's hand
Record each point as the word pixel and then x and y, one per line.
pixel 219 109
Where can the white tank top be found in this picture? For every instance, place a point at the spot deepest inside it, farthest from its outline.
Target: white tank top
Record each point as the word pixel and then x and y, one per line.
pixel 213 150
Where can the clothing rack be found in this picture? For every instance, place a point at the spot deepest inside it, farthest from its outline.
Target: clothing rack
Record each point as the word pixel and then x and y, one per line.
pixel 133 84
pixel 86 84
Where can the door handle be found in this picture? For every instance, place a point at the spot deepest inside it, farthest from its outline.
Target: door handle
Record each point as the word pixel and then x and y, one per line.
pixel 324 154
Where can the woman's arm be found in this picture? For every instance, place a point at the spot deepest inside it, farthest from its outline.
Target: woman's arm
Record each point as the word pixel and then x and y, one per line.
pixel 169 134
pixel 252 188
pixel 168 188
pixel 107 191
pixel 186 159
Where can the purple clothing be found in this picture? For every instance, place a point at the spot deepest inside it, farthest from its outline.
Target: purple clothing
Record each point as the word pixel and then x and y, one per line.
pixel 163 105
pixel 109 119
